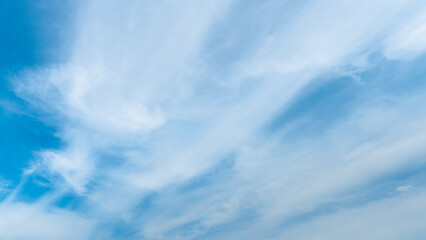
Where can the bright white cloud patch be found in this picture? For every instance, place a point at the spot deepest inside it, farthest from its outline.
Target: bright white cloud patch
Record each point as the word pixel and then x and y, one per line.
pixel 22 221
pixel 222 120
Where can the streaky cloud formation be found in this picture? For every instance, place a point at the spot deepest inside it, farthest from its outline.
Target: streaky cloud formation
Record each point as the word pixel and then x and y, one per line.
pixel 229 120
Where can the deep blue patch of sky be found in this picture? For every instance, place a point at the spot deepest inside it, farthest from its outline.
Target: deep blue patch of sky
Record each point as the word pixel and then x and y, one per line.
pixel 32 35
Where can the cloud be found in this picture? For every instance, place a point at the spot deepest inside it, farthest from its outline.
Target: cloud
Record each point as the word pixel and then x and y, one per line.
pixel 24 221
pixel 409 40
pixel 397 218
pixel 164 109
pixel 4 186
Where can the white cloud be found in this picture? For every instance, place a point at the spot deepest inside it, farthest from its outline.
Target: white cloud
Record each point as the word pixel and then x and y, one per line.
pixel 137 88
pixel 409 40
pixel 23 221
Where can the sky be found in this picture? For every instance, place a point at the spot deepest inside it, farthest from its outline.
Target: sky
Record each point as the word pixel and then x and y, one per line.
pixel 214 119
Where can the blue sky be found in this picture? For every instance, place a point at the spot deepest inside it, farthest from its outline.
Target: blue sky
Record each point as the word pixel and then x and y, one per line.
pixel 25 43
pixel 221 119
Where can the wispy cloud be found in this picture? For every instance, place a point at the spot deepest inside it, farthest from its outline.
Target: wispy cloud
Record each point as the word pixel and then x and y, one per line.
pixel 219 119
